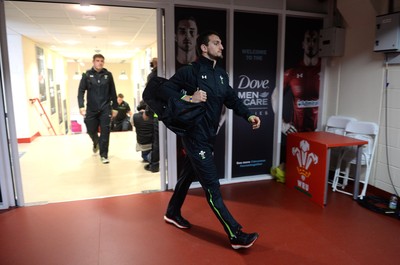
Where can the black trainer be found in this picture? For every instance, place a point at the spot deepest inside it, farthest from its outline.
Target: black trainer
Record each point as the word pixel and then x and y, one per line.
pixel 178 221
pixel 243 240
pixel 95 148
pixel 151 168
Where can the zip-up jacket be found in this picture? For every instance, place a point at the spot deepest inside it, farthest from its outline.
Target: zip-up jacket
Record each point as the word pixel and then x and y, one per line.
pixel 100 89
pixel 215 82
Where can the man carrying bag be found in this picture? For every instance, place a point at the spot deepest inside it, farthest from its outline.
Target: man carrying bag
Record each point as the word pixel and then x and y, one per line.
pixel 210 89
pixel 178 115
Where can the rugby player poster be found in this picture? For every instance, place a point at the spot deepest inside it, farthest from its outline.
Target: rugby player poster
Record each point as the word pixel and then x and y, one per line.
pixel 189 23
pixel 301 81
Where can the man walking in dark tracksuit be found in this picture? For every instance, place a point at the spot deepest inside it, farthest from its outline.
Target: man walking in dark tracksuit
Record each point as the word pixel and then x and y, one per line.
pixel 101 97
pixel 213 89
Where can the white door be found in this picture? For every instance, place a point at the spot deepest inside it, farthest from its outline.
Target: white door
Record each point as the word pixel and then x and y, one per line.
pixel 10 184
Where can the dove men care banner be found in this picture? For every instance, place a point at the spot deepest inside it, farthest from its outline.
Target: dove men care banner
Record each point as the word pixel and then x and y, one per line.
pixel 255 57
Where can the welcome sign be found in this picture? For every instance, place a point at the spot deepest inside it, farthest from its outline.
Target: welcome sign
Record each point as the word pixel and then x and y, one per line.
pixel 255 55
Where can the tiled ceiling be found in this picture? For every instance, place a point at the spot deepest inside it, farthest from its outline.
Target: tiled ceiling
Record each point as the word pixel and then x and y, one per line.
pixel 65 28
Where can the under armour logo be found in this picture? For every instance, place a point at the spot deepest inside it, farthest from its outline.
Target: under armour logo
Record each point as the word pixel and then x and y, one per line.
pixel 105 76
pixel 203 76
pixel 202 154
pixel 222 79
pixel 300 75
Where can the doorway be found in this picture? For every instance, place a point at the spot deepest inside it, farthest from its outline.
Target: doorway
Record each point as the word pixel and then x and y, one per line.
pixel 60 166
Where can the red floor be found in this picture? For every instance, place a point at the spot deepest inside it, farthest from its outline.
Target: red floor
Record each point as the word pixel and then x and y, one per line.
pixel 130 230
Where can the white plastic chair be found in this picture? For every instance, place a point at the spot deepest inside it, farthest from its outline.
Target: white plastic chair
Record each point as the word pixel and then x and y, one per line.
pixel 336 124
pixel 367 131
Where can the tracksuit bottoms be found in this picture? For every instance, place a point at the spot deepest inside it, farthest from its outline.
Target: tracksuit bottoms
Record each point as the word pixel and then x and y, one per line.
pixel 199 161
pixel 93 120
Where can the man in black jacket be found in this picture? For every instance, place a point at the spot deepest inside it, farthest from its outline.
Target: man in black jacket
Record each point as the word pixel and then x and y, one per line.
pixel 213 90
pixel 101 104
pixel 154 161
pixel 153 66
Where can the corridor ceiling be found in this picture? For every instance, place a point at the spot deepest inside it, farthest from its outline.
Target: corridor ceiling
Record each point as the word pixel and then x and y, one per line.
pixel 77 32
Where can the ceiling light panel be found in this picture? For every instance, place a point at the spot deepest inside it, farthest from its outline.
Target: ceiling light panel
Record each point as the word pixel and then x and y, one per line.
pixel 92 28
pixel 54 24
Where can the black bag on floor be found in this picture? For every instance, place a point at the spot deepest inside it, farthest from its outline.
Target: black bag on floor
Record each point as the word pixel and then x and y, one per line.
pixel 379 205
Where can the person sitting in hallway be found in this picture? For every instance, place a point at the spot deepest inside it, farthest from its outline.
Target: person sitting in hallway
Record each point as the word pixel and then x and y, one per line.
pixel 144 132
pixel 149 115
pixel 121 122
pixel 154 163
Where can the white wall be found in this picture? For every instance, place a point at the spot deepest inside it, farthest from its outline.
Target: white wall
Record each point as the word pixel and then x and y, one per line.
pixel 356 87
pixel 20 99
pixel 391 128
pixel 361 78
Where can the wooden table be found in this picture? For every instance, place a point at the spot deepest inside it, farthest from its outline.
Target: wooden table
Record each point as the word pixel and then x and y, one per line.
pixel 307 162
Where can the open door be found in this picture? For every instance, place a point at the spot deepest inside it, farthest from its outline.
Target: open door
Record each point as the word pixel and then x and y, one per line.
pixel 10 178
pixel 10 168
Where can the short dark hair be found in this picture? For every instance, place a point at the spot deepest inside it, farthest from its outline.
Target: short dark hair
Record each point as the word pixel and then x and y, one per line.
pixel 204 38
pixel 98 55
pixel 142 105
pixel 186 17
pixel 120 95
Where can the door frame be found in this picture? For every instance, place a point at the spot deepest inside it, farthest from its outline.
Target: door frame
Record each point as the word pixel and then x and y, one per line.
pixel 10 179
pixel 11 189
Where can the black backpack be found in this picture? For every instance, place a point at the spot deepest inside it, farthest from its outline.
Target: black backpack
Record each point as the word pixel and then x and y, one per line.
pixel 178 115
